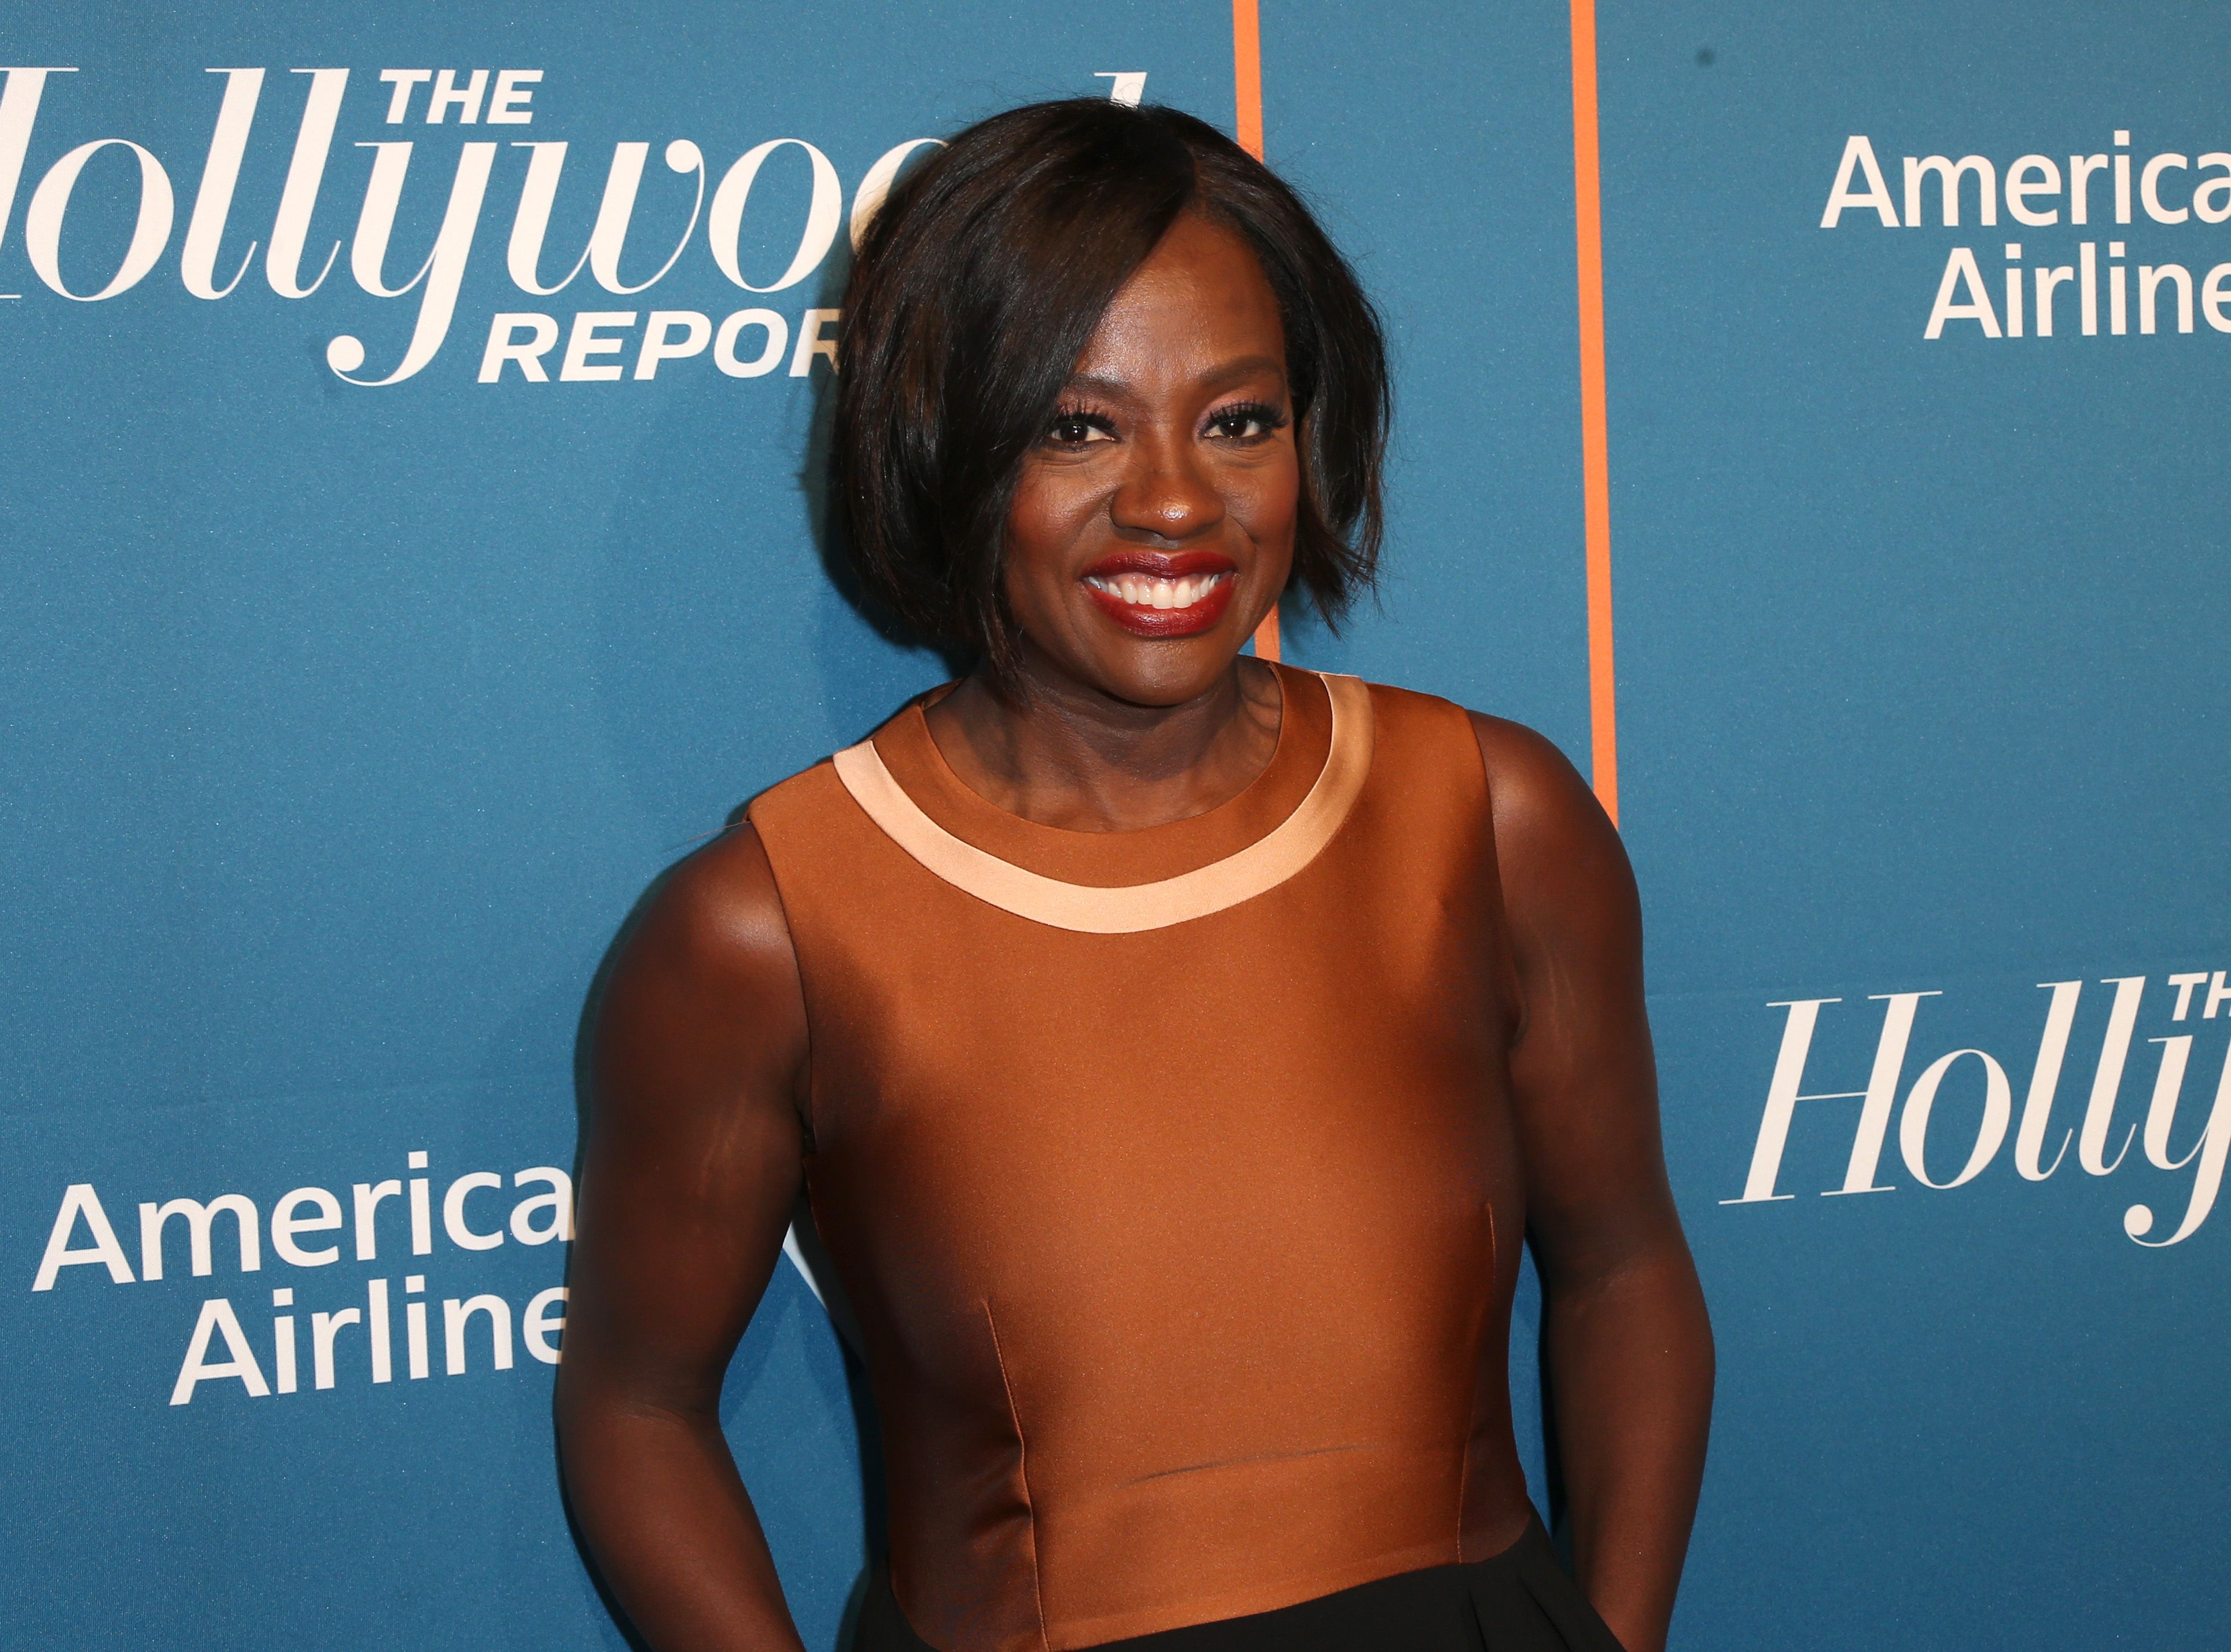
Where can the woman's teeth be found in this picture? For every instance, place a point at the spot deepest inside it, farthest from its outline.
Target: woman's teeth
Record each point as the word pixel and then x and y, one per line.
pixel 1145 590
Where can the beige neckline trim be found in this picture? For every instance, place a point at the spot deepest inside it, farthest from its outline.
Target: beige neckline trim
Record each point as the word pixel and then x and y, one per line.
pixel 1258 868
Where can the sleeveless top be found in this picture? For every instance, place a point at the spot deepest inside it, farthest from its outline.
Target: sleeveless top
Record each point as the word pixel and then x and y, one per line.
pixel 1170 1173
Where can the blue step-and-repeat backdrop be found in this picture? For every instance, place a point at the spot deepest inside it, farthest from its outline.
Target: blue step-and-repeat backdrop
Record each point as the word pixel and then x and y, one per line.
pixel 409 417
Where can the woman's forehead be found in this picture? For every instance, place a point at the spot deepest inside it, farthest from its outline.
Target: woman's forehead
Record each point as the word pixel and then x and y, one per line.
pixel 1198 302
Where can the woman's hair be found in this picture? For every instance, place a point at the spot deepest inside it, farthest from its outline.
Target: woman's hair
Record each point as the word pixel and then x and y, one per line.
pixel 979 283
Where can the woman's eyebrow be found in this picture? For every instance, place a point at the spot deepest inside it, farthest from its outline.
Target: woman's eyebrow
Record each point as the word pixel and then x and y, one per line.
pixel 1098 384
pixel 1224 373
pixel 1242 367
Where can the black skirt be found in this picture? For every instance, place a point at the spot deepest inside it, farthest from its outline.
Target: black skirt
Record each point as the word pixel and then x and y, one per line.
pixel 1521 1600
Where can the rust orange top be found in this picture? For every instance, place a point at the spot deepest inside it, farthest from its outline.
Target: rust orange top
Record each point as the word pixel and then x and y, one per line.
pixel 1165 1169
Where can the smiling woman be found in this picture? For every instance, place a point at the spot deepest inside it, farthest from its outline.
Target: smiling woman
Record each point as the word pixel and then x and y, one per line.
pixel 992 273
pixel 1175 1047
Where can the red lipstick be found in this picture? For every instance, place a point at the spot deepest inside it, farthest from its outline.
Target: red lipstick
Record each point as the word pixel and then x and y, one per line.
pixel 1161 595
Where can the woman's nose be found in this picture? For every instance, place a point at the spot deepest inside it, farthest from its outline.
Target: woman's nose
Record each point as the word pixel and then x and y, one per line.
pixel 1167 492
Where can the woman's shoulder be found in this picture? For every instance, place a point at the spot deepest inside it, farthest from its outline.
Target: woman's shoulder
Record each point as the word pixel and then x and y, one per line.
pixel 1533 786
pixel 713 920
pixel 701 1011
pixel 1514 755
pixel 1558 849
pixel 796 798
pixel 1411 715
pixel 1526 768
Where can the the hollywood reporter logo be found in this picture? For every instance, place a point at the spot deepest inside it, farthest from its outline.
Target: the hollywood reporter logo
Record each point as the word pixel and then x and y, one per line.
pixel 365 1330
pixel 2037 1155
pixel 748 343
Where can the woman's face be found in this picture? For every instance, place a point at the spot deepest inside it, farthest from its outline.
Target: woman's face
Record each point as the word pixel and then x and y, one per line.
pixel 1153 525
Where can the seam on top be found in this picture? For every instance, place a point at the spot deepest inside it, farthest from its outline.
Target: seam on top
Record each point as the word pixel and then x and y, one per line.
pixel 1464 1461
pixel 1464 1469
pixel 1022 1469
pixel 1471 1414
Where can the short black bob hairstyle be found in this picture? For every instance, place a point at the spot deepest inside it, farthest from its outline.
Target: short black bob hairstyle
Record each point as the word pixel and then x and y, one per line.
pixel 977 287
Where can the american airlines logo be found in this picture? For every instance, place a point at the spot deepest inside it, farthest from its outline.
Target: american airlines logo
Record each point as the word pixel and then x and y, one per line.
pixel 359 1325
pixel 2191 1162
pixel 2054 279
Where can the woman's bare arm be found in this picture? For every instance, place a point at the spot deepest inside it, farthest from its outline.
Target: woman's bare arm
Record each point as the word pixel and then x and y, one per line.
pixel 1630 1348
pixel 692 1160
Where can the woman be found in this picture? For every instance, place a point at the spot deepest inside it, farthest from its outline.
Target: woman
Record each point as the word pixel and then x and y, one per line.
pixel 1175 1047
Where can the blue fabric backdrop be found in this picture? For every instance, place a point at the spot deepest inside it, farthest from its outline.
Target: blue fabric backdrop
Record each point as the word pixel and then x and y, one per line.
pixel 343 722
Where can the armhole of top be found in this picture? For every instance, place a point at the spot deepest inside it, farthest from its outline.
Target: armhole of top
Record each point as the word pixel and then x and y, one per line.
pixel 807 1112
pixel 1514 997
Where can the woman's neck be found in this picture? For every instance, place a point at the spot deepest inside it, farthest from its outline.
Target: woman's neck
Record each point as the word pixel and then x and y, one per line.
pixel 1060 753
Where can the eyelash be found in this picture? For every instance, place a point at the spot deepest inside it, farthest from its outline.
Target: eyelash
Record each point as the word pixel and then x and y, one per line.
pixel 1262 413
pixel 1064 416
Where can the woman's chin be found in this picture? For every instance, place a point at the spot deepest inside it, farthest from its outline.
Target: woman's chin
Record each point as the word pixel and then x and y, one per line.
pixel 1164 671
pixel 1139 654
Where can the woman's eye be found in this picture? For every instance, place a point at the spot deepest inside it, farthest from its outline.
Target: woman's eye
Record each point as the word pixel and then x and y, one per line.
pixel 1075 429
pixel 1245 424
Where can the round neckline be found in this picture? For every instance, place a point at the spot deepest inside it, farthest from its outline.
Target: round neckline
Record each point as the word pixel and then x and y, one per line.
pixel 1133 855
pixel 1118 884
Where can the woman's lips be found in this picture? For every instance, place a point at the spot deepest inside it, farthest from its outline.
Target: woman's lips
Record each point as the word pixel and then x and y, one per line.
pixel 1151 594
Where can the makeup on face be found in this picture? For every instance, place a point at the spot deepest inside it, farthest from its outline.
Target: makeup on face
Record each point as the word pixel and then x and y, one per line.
pixel 1163 595
pixel 1155 514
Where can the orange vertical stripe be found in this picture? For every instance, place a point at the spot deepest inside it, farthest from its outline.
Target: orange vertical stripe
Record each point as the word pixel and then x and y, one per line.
pixel 1247 87
pixel 1595 461
pixel 1266 636
pixel 1247 74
